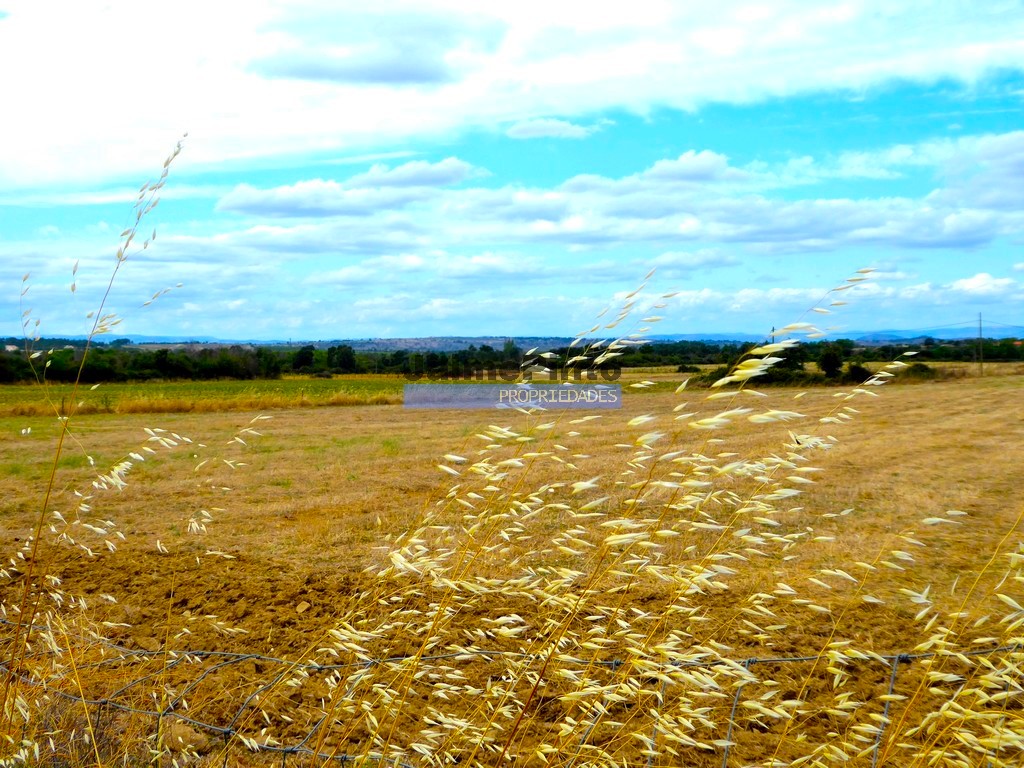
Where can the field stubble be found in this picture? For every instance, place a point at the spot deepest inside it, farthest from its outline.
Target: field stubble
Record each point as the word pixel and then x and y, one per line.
pixel 329 493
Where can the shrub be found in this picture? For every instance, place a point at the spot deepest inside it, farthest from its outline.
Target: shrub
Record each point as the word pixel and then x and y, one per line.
pixel 708 378
pixel 857 373
pixel 919 372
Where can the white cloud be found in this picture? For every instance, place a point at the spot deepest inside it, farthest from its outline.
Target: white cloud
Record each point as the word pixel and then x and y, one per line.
pixel 433 230
pixel 747 299
pixel 376 46
pixel 984 284
pixel 316 197
pixel 675 263
pixel 369 66
pixel 379 189
pixel 697 196
pixel 920 291
pixel 435 270
pixel 381 270
pixel 268 78
pixel 892 276
pixel 125 195
pixel 417 173
pixel 985 172
pixel 548 128
pixel 692 166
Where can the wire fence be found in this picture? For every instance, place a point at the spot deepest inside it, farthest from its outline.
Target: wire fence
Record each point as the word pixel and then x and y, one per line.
pixel 150 671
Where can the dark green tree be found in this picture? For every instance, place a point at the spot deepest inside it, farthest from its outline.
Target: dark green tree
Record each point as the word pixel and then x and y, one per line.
pixel 830 361
pixel 304 358
pixel 342 359
pixel 269 363
pixel 14 367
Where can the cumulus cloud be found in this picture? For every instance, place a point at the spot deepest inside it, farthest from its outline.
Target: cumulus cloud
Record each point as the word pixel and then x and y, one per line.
pixel 703 195
pixel 883 165
pixel 379 270
pixel 380 189
pixel 417 173
pixel 691 166
pixel 123 195
pixel 984 284
pixel 375 46
pixel 360 77
pixel 675 263
pixel 434 269
pixel 748 299
pixel 913 293
pixel 441 229
pixel 316 197
pixel 689 170
pixel 949 158
pixel 369 66
pixel 549 128
pixel 513 204
pixel 370 236
pixel 985 171
pixel 696 196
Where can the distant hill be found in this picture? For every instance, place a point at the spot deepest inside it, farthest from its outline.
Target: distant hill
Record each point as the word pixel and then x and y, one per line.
pixel 457 343
pixel 451 343
pixel 879 338
pixel 715 337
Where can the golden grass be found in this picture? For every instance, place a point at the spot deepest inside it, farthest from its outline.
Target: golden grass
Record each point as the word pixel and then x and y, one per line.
pixel 328 493
pixel 704 578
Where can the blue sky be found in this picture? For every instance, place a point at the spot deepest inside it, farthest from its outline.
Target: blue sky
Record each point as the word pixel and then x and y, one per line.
pixel 451 168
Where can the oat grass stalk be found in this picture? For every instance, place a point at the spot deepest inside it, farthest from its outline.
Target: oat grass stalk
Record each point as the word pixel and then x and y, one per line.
pixel 102 322
pixel 449 567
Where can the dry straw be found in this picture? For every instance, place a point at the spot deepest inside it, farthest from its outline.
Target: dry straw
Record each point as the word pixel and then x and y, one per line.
pixel 565 602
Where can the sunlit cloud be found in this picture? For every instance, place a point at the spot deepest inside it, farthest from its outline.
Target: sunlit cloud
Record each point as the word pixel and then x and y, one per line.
pixel 449 165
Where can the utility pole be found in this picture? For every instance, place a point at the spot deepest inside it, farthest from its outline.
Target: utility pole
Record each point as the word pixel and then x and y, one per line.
pixel 981 349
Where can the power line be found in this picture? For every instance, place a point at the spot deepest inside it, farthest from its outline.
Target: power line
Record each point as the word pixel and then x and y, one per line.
pixel 1003 325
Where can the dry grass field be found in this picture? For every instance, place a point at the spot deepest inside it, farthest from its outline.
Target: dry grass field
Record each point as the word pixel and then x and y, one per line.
pixel 604 591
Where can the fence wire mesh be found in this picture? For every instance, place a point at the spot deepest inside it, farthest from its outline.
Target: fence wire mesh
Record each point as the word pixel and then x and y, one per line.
pixel 460 703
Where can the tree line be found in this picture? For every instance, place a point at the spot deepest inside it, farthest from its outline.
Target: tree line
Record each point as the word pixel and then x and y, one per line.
pixel 121 361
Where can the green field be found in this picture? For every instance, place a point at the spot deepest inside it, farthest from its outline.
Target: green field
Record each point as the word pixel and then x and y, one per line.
pixel 225 395
pixel 306 391
pixel 200 396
